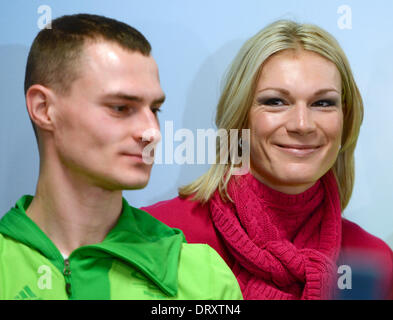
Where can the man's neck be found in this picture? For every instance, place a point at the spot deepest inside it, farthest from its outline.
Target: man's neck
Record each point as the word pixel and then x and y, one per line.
pixel 71 212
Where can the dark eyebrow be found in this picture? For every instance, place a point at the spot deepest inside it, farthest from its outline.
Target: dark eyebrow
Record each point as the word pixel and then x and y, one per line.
pixel 123 96
pixel 160 100
pixel 286 92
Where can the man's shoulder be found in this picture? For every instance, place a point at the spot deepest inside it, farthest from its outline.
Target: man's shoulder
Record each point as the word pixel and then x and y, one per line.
pixel 202 269
pixel 12 251
pixel 1 242
pixel 6 243
pixel 21 270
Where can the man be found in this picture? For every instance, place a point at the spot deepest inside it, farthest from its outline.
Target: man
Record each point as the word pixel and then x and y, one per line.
pixel 92 92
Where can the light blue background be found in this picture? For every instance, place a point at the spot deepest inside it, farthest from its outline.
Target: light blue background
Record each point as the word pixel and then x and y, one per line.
pixel 193 43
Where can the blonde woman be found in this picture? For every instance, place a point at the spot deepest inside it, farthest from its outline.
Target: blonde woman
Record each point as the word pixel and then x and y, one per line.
pixel 280 227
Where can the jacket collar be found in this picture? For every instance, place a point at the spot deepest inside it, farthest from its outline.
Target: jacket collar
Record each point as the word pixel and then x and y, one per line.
pixel 137 239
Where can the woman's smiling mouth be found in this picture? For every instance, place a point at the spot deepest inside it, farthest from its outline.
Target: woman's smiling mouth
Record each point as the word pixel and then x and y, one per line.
pixel 298 150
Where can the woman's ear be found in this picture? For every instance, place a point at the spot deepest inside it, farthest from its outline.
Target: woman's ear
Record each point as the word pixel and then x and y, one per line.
pixel 39 99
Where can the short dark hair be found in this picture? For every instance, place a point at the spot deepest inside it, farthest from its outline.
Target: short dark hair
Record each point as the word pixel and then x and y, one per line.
pixel 55 52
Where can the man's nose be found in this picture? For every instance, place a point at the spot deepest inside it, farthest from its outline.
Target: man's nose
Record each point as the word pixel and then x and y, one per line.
pixel 148 128
pixel 301 120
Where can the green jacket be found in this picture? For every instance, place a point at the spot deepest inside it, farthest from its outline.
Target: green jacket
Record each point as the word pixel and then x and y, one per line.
pixel 140 258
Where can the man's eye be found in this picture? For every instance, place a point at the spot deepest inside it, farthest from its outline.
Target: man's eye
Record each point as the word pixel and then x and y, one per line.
pixel 156 110
pixel 119 108
pixel 324 103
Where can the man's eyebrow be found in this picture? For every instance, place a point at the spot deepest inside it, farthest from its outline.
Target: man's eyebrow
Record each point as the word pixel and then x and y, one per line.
pixel 124 96
pixel 160 100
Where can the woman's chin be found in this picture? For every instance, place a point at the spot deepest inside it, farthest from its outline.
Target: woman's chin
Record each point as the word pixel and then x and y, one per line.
pixel 291 182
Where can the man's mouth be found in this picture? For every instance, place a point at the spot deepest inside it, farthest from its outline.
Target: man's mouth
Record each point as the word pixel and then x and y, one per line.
pixel 135 156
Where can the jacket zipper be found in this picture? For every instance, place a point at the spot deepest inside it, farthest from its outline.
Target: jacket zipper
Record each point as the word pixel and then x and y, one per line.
pixel 67 275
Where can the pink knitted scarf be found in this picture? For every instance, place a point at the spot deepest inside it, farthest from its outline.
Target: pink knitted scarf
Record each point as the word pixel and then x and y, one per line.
pixel 285 246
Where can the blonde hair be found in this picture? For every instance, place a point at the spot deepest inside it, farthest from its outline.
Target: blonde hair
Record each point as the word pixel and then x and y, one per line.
pixel 238 92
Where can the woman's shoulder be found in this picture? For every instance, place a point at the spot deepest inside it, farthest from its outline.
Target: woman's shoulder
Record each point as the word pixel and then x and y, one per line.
pixel 192 217
pixel 354 236
pixel 172 208
pixel 370 259
pixel 175 204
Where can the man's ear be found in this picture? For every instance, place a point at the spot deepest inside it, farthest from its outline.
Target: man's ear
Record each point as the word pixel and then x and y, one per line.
pixel 39 100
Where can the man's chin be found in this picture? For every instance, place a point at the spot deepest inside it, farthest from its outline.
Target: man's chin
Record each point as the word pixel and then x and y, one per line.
pixel 116 185
pixel 134 185
pixel 135 180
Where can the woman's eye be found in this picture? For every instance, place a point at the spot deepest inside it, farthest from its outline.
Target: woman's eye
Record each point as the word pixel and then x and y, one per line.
pixel 271 102
pixel 324 103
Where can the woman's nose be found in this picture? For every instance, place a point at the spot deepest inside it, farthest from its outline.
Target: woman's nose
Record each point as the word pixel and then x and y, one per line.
pixel 301 120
